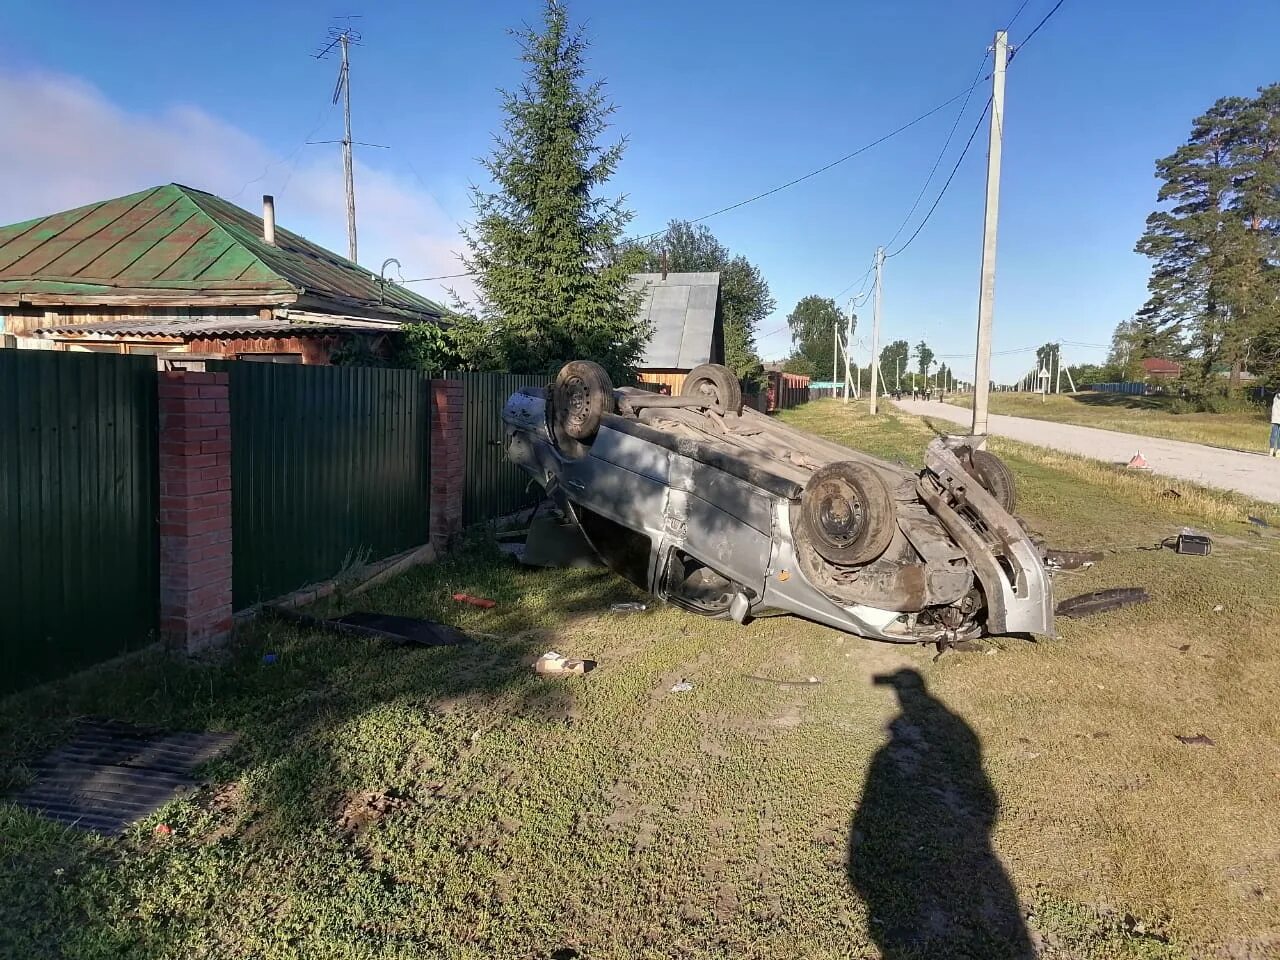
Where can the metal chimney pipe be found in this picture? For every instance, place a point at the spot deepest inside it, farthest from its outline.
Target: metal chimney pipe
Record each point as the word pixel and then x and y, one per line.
pixel 269 218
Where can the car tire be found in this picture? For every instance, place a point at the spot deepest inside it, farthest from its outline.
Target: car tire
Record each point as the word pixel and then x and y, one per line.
pixel 847 513
pixel 581 395
pixel 717 384
pixel 995 477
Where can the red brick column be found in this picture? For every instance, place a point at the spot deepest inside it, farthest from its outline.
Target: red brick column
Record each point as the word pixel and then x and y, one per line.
pixel 195 509
pixel 448 461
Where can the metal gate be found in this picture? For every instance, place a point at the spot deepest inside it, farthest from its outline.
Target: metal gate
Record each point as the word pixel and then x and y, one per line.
pixel 493 486
pixel 329 470
pixel 79 577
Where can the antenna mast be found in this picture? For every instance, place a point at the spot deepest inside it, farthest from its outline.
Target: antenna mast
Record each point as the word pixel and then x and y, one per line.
pixel 344 37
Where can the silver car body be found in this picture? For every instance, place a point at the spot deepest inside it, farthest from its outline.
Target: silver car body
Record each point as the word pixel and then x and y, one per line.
pixel 672 496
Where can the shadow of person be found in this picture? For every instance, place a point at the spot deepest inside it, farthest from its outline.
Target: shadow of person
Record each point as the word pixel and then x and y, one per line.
pixel 920 850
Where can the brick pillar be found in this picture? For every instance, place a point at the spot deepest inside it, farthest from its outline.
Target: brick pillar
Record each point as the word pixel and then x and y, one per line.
pixel 448 461
pixel 195 509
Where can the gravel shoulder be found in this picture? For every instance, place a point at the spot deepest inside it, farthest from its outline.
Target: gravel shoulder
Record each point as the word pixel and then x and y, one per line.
pixel 1252 474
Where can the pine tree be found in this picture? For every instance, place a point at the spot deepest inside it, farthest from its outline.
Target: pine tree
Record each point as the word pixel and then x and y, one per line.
pixel 551 276
pixel 1214 278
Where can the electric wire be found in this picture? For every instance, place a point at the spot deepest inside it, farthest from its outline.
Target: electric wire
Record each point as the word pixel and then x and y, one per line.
pixel 941 153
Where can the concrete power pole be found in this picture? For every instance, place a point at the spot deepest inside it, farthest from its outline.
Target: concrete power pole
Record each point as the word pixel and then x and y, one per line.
pixel 848 344
pixel 835 356
pixel 987 291
pixel 875 330
pixel 344 80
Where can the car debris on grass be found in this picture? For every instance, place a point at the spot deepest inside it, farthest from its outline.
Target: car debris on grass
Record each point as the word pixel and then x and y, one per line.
pixel 1101 601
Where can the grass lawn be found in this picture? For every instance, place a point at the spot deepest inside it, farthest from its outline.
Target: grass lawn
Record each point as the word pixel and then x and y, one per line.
pixel 1146 416
pixel 404 802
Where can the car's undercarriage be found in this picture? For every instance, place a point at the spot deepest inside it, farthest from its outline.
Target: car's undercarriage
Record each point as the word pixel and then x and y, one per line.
pixel 727 512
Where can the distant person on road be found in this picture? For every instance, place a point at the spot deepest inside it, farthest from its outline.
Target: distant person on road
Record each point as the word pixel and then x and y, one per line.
pixel 1275 425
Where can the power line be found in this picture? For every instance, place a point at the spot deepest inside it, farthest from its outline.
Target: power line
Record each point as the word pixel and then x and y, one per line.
pixel 941 153
pixel 1036 28
pixel 966 93
pixel 951 176
pixel 861 281
pixel 790 183
pixel 1009 25
pixel 446 276
pixel 823 169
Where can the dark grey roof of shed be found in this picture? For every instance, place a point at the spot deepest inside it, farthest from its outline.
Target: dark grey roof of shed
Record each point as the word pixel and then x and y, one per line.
pixel 682 309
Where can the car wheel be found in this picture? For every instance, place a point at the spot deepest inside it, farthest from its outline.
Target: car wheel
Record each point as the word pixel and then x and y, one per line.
pixel 995 477
pixel 717 385
pixel 581 395
pixel 847 513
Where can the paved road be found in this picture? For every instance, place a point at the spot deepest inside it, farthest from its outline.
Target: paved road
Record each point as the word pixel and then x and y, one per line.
pixel 1253 474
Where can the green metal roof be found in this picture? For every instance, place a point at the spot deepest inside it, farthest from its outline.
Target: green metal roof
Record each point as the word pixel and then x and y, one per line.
pixel 174 244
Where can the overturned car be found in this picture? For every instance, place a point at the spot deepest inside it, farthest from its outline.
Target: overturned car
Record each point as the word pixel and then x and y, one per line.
pixel 728 513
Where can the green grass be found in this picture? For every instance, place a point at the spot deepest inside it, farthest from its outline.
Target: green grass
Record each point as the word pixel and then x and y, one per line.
pixel 1145 416
pixel 403 802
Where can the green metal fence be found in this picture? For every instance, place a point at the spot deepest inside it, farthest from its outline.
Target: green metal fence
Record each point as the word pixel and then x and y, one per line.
pixel 494 487
pixel 329 469
pixel 79 566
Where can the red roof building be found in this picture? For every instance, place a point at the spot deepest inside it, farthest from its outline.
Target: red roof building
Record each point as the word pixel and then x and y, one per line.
pixel 1157 368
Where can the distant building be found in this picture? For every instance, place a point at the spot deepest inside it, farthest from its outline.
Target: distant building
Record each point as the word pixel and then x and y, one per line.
pixel 688 328
pixel 177 271
pixel 1155 368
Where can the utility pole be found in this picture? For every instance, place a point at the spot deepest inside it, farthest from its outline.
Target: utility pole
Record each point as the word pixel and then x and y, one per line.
pixel 848 344
pixel 1057 366
pixel 835 354
pixel 987 290
pixel 875 329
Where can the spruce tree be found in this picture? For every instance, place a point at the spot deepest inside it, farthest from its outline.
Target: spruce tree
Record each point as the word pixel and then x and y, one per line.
pixel 551 275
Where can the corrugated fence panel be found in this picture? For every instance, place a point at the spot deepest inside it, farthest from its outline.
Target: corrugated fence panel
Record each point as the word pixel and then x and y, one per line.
pixel 329 469
pixel 494 486
pixel 79 558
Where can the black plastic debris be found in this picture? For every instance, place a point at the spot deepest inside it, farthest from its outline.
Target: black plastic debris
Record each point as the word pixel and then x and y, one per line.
pixel 1199 740
pixel 112 774
pixel 1101 601
pixel 383 626
pixel 1258 521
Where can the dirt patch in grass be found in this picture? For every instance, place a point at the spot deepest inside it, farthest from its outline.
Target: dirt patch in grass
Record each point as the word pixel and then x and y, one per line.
pixel 366 808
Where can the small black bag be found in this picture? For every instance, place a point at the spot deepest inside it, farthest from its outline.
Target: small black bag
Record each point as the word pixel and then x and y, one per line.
pixel 1195 544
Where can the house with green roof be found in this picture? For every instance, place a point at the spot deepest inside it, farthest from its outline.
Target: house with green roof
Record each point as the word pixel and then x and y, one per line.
pixel 175 270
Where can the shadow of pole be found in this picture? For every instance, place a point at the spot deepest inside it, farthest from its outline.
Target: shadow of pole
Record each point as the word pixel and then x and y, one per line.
pixel 920 852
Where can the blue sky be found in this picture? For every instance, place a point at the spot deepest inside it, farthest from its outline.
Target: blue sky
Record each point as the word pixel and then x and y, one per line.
pixel 719 100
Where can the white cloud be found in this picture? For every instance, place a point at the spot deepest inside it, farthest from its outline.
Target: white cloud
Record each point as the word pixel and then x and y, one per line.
pixel 68 144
